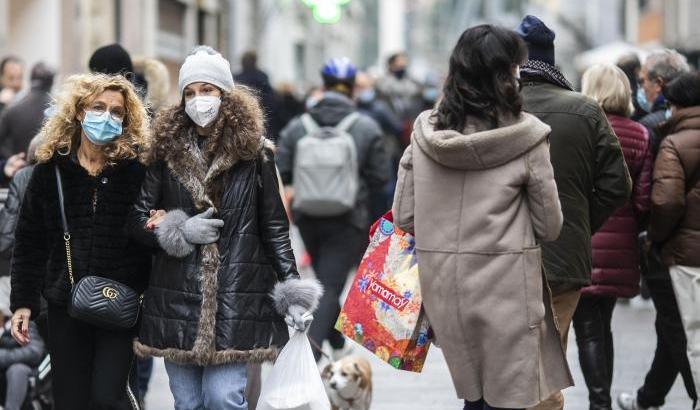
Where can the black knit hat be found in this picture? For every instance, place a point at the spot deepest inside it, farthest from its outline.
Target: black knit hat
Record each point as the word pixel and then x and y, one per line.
pixel 539 39
pixel 111 59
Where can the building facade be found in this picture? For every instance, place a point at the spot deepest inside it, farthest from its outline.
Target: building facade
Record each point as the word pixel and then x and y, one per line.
pixel 65 33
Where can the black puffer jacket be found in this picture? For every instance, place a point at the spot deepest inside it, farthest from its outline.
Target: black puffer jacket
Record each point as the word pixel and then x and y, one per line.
pixel 100 241
pixel 12 353
pixel 212 304
pixel 9 214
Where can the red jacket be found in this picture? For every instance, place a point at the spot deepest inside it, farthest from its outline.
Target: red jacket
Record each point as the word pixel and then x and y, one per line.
pixel 615 249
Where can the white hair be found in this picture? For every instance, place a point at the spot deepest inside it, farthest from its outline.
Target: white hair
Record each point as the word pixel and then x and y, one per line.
pixel 666 64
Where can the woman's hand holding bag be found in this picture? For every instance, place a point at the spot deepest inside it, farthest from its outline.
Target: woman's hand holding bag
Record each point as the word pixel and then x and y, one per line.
pixel 298 318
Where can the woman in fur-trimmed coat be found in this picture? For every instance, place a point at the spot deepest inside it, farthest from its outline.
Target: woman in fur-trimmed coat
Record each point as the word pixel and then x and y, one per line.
pixel 224 276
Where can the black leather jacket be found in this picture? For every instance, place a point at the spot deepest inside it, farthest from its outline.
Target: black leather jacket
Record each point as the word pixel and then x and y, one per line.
pixel 9 214
pixel 255 254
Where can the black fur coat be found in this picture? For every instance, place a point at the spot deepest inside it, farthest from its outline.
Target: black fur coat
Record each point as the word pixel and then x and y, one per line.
pixel 97 209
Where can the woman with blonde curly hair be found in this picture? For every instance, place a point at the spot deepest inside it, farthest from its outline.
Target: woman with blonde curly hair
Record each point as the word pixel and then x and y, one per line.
pixel 91 145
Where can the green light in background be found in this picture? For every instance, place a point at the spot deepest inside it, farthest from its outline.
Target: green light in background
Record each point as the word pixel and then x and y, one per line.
pixel 326 11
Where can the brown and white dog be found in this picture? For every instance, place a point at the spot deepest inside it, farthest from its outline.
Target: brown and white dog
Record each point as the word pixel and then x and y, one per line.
pixel 348 383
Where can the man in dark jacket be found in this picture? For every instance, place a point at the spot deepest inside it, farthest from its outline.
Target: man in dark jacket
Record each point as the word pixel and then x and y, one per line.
pixel 589 169
pixel 10 212
pixel 379 111
pixel 335 243
pixel 253 77
pixel 11 75
pixel 21 122
pixel 659 68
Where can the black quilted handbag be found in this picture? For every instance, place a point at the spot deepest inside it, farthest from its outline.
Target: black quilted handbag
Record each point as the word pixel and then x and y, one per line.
pixel 102 302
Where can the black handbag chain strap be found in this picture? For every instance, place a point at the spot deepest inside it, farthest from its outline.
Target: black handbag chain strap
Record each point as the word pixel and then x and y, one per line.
pixel 64 220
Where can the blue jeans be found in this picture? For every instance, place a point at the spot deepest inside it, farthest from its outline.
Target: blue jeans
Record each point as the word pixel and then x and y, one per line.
pixel 219 387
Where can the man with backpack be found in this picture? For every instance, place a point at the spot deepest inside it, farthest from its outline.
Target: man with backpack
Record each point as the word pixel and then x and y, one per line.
pixel 331 158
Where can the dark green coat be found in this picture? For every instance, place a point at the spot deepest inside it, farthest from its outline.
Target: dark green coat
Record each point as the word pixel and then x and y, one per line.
pixel 590 173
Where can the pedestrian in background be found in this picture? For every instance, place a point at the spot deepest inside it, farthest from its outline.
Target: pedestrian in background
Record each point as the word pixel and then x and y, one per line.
pixel 222 248
pixel 11 79
pixel 401 92
pixel 659 69
pixel 335 241
pixel 9 214
pixel 615 250
pixel 113 59
pixel 477 189
pixel 589 169
pixel 253 77
pixel 632 66
pixel 18 363
pixel 21 122
pixel 288 104
pixel 675 228
pixel 156 82
pixel 371 105
pixel 91 143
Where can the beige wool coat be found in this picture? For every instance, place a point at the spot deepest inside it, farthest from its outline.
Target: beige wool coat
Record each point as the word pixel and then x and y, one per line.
pixel 479 203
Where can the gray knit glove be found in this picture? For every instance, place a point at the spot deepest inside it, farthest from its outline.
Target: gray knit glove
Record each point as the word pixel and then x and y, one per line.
pixel 202 229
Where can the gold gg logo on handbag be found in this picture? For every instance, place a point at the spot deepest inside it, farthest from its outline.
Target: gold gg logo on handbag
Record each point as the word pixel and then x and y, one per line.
pixel 109 293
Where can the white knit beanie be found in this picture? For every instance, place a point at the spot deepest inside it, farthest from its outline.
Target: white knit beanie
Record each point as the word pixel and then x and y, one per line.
pixel 206 65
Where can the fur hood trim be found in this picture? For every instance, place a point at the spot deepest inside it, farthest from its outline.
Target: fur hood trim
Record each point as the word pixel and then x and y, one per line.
pixel 214 358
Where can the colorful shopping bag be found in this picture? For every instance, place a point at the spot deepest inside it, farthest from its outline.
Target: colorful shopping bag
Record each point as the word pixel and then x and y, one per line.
pixel 383 310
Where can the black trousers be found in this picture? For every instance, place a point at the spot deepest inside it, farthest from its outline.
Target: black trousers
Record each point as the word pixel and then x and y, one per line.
pixel 670 357
pixel 335 246
pixel 480 405
pixel 89 366
pixel 595 347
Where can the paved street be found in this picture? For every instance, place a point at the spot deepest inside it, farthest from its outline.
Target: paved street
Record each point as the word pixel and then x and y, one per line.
pixel 432 390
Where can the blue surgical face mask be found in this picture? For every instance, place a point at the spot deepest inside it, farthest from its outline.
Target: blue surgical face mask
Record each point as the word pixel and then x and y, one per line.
pixel 101 129
pixel 668 113
pixel 431 94
pixel 642 100
pixel 367 95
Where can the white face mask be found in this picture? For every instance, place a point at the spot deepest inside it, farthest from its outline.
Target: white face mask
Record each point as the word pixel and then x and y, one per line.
pixel 203 109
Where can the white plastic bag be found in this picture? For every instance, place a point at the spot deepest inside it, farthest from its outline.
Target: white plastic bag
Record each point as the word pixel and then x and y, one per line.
pixel 294 383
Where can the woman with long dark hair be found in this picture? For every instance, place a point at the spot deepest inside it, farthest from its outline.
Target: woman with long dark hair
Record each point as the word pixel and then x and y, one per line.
pixel 476 187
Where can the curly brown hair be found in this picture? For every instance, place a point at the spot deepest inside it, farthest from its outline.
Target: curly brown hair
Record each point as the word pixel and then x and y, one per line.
pixel 240 113
pixel 62 130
